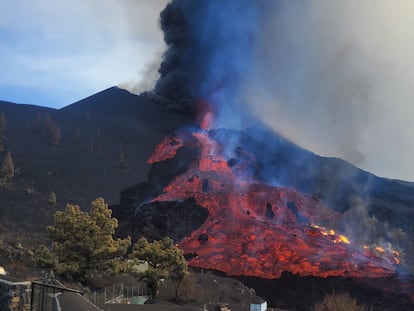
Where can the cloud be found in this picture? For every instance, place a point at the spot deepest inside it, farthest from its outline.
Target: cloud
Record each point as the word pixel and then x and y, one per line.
pixel 69 50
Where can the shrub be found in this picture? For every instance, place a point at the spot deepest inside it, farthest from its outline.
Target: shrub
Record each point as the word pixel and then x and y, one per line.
pixel 339 302
pixel 43 257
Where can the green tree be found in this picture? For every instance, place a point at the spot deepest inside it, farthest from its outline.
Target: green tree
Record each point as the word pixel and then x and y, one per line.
pixel 164 259
pixel 83 241
pixel 52 198
pixel 43 257
pixel 7 168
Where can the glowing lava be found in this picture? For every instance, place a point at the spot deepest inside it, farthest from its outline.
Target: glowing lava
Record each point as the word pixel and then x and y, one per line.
pixel 257 229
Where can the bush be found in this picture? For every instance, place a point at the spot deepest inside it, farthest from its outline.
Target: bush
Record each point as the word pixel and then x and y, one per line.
pixel 43 257
pixel 187 290
pixel 339 302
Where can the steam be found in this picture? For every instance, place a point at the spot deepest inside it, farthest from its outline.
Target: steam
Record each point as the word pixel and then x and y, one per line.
pixel 147 78
pixel 333 76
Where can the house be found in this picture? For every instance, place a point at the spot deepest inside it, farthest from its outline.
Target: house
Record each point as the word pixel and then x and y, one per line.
pixel 14 294
pixel 258 304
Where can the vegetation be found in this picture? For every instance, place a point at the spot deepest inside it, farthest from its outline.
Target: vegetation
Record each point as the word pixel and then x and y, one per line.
pixel 43 257
pixel 7 169
pixel 339 302
pixel 83 241
pixel 52 198
pixel 164 259
pixel 52 131
pixel 187 290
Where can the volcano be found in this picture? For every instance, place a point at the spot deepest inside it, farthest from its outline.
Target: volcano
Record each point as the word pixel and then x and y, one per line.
pixel 210 190
pixel 242 199
pixel 257 229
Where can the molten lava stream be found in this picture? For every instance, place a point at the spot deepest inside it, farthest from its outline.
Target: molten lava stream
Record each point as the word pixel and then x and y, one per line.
pixel 256 229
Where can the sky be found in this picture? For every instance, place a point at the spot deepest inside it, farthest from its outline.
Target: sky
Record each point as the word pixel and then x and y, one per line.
pixel 336 77
pixel 54 53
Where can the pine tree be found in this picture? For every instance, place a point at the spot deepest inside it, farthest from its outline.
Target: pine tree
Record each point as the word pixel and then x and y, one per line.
pixel 165 260
pixel 84 240
pixel 52 198
pixel 52 130
pixel 43 257
pixel 7 168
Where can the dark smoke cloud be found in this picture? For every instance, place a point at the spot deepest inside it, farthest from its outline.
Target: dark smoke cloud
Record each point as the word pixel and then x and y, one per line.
pixel 333 76
pixel 209 51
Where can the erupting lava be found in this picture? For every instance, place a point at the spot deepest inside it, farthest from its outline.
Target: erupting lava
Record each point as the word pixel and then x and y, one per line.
pixel 256 229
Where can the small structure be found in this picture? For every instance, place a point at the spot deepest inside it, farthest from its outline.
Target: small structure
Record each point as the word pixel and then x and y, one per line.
pixel 14 294
pixel 258 304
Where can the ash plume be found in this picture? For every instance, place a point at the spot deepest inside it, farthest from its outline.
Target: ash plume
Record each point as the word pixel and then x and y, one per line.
pixel 209 52
pixel 331 76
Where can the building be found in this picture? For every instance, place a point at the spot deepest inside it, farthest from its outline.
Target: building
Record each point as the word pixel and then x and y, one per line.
pixel 258 304
pixel 14 294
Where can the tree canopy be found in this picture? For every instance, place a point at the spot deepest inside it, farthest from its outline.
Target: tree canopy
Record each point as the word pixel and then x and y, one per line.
pixel 85 240
pixel 165 260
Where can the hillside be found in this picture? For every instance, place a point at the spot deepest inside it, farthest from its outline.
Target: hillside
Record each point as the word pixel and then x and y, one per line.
pixel 102 148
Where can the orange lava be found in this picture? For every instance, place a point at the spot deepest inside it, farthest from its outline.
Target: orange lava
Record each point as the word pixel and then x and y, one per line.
pixel 256 229
pixel 166 149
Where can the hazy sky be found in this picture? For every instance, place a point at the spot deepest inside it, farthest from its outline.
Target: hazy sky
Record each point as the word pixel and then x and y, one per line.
pixel 336 77
pixel 53 53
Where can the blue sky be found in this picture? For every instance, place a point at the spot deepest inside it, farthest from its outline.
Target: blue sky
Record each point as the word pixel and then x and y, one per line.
pixel 53 53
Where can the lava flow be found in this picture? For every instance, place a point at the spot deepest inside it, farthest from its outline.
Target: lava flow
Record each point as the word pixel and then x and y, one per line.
pixel 256 229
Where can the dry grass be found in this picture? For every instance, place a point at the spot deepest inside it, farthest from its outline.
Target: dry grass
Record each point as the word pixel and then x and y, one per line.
pixel 339 302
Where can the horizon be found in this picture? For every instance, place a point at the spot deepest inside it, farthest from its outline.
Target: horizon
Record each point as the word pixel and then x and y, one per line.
pixel 55 54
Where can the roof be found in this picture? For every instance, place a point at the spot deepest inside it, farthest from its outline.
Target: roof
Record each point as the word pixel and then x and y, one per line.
pixel 149 307
pixel 11 280
pixel 258 301
pixel 70 301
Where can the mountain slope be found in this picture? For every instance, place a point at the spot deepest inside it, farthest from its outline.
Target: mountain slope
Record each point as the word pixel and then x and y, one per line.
pixel 104 143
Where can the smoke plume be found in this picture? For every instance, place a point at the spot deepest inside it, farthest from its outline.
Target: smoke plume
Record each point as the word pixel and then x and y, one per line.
pixel 333 76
